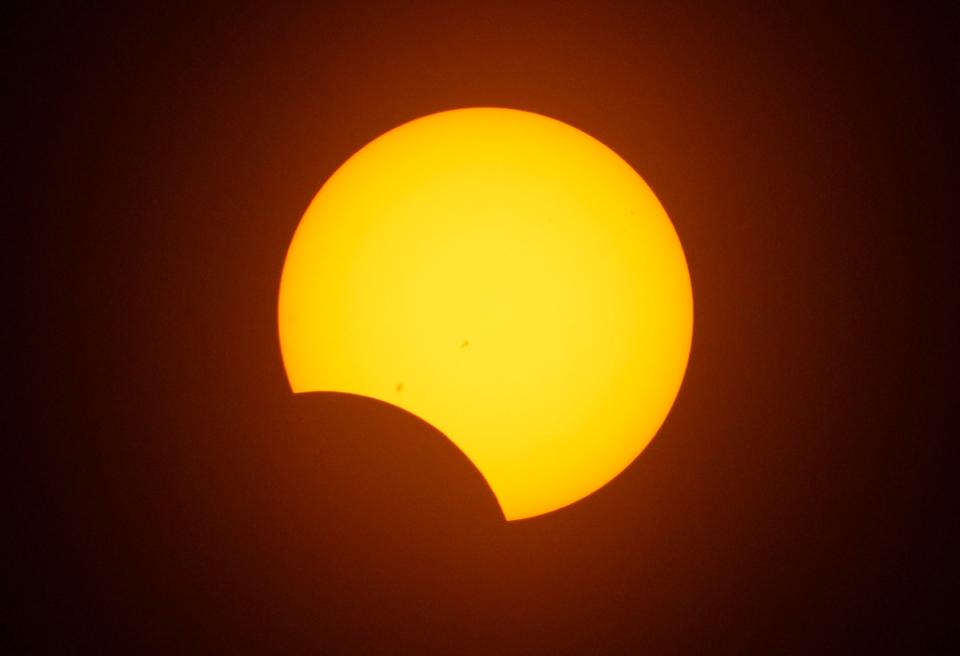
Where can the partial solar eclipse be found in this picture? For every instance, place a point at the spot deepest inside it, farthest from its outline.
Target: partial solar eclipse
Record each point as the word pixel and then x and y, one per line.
pixel 506 278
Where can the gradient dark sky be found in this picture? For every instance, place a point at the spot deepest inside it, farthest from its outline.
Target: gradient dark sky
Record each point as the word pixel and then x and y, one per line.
pixel 170 494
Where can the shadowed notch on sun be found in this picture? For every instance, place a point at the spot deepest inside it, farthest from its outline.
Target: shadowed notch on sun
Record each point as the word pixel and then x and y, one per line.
pixel 376 463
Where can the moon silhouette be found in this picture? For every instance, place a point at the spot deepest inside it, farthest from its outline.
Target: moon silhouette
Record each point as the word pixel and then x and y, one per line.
pixel 508 279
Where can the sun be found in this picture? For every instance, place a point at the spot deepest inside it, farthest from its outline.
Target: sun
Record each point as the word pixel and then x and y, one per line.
pixel 508 279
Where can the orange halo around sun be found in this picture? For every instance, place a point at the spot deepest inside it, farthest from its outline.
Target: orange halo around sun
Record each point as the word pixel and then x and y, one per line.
pixel 508 279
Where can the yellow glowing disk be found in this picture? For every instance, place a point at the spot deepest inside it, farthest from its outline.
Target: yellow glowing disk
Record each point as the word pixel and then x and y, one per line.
pixel 508 279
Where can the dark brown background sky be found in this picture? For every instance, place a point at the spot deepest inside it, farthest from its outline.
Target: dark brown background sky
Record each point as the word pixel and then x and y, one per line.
pixel 170 494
